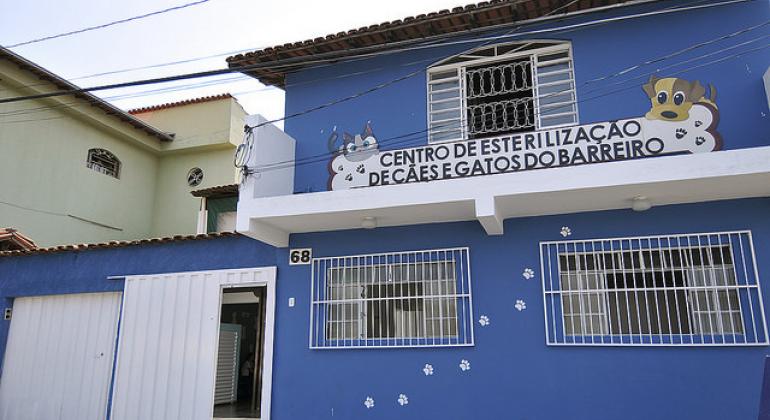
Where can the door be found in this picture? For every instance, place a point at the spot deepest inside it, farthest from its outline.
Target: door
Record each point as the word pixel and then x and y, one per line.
pixel 167 350
pixel 226 389
pixel 59 357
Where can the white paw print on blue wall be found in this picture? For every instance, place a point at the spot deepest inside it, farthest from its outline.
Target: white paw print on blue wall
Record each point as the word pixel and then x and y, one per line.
pixel 428 369
pixel 403 400
pixel 520 305
pixel 369 402
pixel 484 320
pixel 565 231
pixel 465 365
pixel 528 273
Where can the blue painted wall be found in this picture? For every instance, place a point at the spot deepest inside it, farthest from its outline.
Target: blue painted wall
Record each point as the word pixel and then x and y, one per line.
pixel 87 271
pixel 598 51
pixel 513 373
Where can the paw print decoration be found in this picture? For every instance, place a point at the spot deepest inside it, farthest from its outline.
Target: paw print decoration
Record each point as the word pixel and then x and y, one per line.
pixel 428 369
pixel 528 273
pixel 484 320
pixel 369 402
pixel 520 305
pixel 465 365
pixel 565 231
pixel 403 400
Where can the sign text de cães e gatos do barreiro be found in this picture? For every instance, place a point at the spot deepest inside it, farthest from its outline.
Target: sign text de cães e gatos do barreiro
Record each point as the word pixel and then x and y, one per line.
pixel 361 163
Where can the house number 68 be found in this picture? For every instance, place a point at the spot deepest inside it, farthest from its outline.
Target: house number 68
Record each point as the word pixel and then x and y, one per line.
pixel 300 256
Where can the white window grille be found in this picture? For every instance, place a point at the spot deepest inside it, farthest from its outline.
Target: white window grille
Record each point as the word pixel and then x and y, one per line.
pixel 694 289
pixel 502 89
pixel 103 161
pixel 400 299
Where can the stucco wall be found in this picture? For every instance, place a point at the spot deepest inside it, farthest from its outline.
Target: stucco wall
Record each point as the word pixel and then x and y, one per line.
pixel 176 211
pixel 45 178
pixel 199 124
pixel 513 373
pixel 598 51
pixel 206 135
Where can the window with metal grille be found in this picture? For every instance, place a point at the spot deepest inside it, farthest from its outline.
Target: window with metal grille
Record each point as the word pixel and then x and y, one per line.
pixel 103 161
pixel 403 299
pixel 502 89
pixel 698 289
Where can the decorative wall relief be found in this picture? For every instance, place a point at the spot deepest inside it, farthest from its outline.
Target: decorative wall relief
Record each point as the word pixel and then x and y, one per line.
pixel 465 365
pixel 520 305
pixel 682 120
pixel 350 160
pixel 528 273
pixel 403 400
pixel 565 231
pixel 369 402
pixel 484 320
pixel 428 369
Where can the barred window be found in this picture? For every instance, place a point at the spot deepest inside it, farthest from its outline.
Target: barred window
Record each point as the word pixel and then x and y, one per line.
pixel 502 89
pixel 103 161
pixel 664 290
pixel 404 299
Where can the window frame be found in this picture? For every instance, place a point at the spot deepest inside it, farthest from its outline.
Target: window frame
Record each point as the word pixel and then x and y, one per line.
pixel 322 299
pixel 691 255
pixel 557 46
pixel 97 167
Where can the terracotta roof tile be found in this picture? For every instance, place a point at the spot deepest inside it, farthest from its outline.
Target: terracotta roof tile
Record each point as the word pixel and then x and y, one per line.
pixel 218 191
pixel 11 240
pixel 480 16
pixel 115 244
pixel 180 103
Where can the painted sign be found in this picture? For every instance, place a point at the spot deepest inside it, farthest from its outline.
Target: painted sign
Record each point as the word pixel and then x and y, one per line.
pixel 300 256
pixel 681 120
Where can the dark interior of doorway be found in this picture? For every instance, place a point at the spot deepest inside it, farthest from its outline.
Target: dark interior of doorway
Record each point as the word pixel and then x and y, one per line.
pixel 244 307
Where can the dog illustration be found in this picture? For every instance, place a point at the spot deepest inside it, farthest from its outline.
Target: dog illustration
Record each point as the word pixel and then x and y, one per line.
pixel 672 98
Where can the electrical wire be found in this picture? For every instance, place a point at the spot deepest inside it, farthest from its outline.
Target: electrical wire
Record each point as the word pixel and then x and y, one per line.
pixel 19 112
pixel 313 63
pixel 337 55
pixel 324 156
pixel 324 41
pixel 108 24
pixel 151 92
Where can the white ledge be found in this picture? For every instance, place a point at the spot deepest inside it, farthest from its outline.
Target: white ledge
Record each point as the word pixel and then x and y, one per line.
pixel 493 198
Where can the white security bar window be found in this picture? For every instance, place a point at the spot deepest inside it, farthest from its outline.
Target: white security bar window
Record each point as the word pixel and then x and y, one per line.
pixel 698 289
pixel 502 89
pixel 103 161
pixel 403 299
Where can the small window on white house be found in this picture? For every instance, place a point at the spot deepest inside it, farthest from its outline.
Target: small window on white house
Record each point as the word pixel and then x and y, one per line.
pixel 502 89
pixel 408 299
pixel 103 161
pixel 669 290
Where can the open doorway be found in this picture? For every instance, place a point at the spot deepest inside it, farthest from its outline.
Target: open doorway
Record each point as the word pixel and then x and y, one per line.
pixel 238 387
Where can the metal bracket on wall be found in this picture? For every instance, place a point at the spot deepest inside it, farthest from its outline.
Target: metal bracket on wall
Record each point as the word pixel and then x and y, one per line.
pixel 8 312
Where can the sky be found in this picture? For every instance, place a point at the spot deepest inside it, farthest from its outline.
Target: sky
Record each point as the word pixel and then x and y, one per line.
pixel 217 27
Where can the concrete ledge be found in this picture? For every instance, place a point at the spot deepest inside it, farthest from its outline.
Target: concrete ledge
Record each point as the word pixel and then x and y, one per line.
pixel 493 198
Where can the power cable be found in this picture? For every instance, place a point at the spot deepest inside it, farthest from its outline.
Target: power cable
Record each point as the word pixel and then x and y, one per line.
pixel 106 25
pixel 301 60
pixel 324 156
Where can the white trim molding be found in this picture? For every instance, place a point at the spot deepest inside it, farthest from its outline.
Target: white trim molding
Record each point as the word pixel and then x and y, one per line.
pixel 491 199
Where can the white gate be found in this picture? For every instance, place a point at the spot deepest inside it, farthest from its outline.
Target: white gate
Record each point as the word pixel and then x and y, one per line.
pixel 59 358
pixel 167 351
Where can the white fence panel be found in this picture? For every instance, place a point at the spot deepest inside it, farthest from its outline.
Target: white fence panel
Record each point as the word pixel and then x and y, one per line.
pixel 59 358
pixel 167 351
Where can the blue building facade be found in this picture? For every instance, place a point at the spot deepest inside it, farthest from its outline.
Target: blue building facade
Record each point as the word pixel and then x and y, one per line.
pixel 628 286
